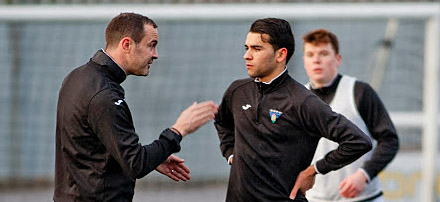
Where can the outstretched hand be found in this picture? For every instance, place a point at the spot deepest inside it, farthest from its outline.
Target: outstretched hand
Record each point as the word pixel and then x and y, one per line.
pixel 304 181
pixel 196 115
pixel 352 185
pixel 174 168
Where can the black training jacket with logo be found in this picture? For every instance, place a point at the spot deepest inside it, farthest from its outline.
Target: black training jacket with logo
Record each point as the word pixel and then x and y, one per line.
pixel 98 154
pixel 273 130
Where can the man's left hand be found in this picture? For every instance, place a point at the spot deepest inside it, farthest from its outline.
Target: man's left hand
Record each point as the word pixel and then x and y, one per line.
pixel 304 182
pixel 352 185
pixel 174 168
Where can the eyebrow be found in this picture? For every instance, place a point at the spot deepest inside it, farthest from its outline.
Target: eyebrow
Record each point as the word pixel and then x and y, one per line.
pixel 253 46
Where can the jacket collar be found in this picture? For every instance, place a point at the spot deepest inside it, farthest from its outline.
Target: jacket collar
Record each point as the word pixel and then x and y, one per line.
pixel 330 88
pixel 274 84
pixel 109 66
pixel 258 79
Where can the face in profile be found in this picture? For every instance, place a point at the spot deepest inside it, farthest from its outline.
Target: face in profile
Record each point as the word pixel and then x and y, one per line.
pixel 321 63
pixel 144 52
pixel 260 56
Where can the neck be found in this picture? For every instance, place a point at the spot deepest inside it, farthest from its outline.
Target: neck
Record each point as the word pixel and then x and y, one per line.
pixel 273 76
pixel 269 78
pixel 113 54
pixel 317 85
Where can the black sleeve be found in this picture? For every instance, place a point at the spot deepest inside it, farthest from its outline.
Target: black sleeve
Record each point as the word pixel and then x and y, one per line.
pixel 320 120
pixel 110 119
pixel 224 123
pixel 380 126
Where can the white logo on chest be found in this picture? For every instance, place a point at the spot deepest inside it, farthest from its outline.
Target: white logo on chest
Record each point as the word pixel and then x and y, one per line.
pixel 119 102
pixel 246 107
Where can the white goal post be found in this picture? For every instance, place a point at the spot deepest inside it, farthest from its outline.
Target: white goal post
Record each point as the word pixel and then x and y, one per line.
pixel 428 119
pixel 103 12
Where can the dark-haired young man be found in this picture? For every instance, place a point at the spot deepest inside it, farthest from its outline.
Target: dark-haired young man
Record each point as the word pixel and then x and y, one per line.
pixel 98 154
pixel 269 125
pixel 358 102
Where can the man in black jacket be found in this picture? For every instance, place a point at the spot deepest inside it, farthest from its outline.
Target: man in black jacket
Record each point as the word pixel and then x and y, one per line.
pixel 269 125
pixel 98 154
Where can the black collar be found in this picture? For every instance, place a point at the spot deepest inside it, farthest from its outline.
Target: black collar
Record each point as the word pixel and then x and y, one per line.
pixel 274 85
pixel 110 67
pixel 327 93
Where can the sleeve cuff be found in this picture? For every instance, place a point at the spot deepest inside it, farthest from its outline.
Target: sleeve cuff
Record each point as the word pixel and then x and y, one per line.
pixel 316 169
pixel 229 159
pixel 228 152
pixel 366 174
pixel 173 137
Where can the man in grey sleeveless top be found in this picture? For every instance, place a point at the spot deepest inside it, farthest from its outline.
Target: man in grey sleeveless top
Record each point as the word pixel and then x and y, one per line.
pixel 358 102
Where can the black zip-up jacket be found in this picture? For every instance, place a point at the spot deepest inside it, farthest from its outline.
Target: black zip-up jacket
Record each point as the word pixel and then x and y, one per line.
pixel 98 154
pixel 273 130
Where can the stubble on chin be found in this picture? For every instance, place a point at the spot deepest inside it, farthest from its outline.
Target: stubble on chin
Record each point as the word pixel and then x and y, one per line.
pixel 252 74
pixel 146 73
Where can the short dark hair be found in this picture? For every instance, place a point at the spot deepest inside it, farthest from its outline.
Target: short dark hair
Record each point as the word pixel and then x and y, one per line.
pixel 322 36
pixel 279 31
pixel 127 24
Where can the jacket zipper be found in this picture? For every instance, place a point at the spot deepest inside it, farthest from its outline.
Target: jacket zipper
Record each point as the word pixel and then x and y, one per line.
pixel 260 98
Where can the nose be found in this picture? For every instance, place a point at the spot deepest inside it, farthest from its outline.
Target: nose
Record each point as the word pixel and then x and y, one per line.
pixel 247 55
pixel 155 54
pixel 316 59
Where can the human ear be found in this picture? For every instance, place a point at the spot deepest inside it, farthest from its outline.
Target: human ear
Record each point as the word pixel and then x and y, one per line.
pixel 125 44
pixel 281 54
pixel 339 58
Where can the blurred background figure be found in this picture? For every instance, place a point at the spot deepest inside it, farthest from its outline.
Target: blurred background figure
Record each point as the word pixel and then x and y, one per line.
pixel 358 102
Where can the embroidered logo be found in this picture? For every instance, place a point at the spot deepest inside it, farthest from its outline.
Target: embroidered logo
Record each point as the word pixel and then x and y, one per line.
pixel 119 102
pixel 274 115
pixel 246 107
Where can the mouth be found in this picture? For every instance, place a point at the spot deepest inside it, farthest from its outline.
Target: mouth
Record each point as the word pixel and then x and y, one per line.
pixel 317 70
pixel 248 66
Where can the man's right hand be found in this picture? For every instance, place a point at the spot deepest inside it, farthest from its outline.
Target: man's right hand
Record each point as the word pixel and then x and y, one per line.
pixel 304 181
pixel 352 185
pixel 174 168
pixel 196 115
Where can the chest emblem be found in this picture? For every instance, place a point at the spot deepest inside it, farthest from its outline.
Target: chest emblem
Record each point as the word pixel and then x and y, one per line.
pixel 246 107
pixel 274 115
pixel 119 102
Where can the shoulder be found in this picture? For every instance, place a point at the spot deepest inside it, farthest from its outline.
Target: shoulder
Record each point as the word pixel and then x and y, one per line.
pixel 362 85
pixel 358 84
pixel 87 81
pixel 362 88
pixel 298 90
pixel 105 90
pixel 83 74
pixel 301 98
pixel 107 97
pixel 240 83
